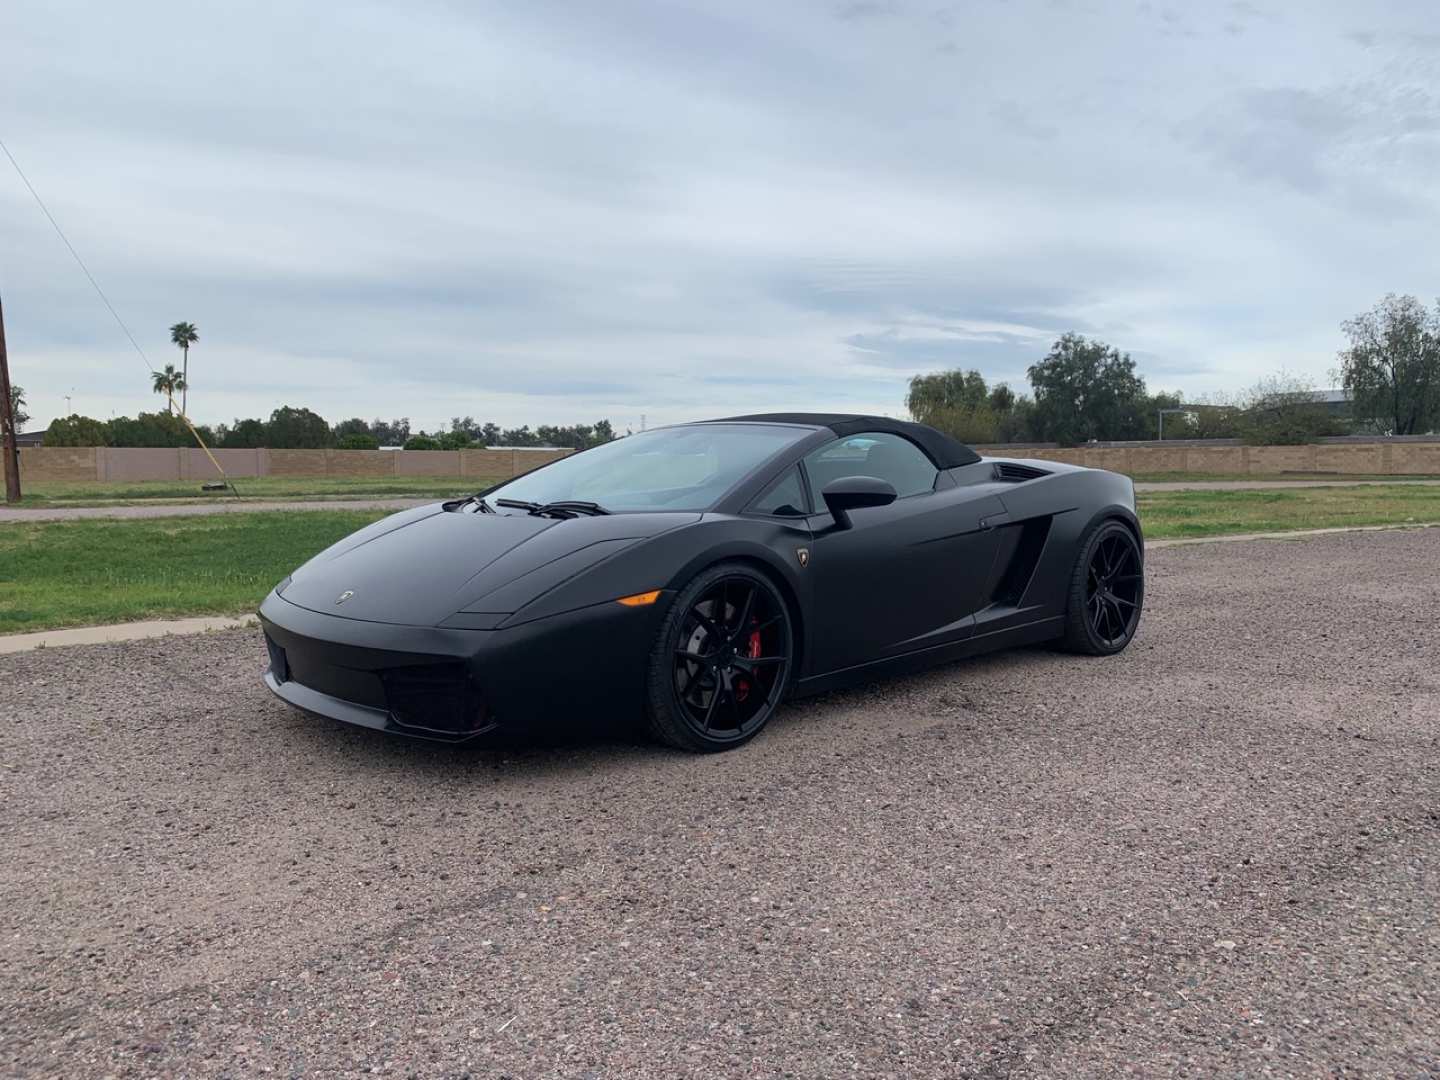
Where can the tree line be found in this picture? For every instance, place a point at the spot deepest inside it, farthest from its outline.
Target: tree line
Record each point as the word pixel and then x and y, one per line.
pixel 298 428
pixel 1085 390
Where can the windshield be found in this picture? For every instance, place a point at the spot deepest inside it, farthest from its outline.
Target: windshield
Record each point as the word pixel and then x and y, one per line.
pixel 679 468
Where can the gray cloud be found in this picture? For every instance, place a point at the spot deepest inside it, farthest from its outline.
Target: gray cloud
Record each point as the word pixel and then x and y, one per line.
pixel 561 211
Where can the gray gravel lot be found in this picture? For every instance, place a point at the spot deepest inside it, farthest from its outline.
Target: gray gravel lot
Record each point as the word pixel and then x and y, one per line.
pixel 1216 854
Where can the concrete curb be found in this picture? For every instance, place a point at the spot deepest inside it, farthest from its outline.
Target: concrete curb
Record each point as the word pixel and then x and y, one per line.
pixel 134 631
pixel 1293 534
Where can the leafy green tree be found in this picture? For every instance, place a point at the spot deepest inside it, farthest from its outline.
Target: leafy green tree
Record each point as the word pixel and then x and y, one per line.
pixel 1211 416
pixel 168 382
pixel 17 407
pixel 76 430
pixel 357 440
pixel 183 335
pixel 455 440
pixel 391 433
pixel 353 426
pixel 945 390
pixel 1392 368
pixel 148 429
pixel 422 442
pixel 1018 424
pixel 974 424
pixel 1285 410
pixel 1002 399
pixel 961 404
pixel 292 428
pixel 244 435
pixel 1087 390
pixel 1177 425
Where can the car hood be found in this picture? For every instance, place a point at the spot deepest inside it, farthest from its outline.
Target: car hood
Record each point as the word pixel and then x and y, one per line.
pixel 424 565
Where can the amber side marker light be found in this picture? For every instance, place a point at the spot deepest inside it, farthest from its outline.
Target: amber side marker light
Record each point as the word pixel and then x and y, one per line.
pixel 640 599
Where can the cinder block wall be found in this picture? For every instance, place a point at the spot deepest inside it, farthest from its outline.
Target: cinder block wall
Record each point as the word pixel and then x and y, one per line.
pixel 64 464
pixel 1382 457
pixel 108 464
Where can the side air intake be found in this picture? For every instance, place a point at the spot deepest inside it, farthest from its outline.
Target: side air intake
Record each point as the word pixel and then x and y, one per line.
pixel 1014 473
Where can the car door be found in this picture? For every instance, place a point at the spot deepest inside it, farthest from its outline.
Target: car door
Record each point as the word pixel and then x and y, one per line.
pixel 902 577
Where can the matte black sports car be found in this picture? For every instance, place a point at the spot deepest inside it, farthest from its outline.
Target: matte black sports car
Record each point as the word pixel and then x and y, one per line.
pixel 694 575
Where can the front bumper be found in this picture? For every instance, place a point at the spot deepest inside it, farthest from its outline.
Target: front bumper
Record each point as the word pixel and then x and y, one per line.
pixel 579 668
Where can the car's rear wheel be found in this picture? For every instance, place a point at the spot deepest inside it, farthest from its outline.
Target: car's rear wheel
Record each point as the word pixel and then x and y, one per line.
pixel 721 660
pixel 1107 591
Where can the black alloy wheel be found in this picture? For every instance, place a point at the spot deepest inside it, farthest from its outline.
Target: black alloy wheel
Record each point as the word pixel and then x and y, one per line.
pixel 721 661
pixel 1107 591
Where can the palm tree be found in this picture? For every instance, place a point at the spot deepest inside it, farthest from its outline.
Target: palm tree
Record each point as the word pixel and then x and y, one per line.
pixel 168 382
pixel 184 335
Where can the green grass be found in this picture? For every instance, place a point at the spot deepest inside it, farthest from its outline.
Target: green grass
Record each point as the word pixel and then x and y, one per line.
pixel 80 573
pixel 1268 478
pixel 260 487
pixel 1166 514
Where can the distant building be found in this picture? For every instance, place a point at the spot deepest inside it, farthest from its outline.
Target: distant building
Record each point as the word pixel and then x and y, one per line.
pixel 1336 402
pixel 30 438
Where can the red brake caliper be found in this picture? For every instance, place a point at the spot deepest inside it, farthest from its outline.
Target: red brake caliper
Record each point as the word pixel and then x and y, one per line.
pixel 752 650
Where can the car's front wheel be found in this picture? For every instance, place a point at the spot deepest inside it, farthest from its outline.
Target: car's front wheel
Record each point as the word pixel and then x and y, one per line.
pixel 1107 591
pixel 721 660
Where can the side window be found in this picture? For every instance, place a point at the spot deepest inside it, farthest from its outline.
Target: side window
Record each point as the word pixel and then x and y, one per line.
pixel 873 453
pixel 784 498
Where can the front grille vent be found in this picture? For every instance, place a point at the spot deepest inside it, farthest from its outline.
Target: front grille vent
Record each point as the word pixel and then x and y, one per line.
pixel 278 665
pixel 439 698
pixel 1013 472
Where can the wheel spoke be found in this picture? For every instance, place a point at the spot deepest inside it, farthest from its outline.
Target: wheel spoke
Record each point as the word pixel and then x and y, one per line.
pixel 745 611
pixel 710 709
pixel 699 658
pixel 706 623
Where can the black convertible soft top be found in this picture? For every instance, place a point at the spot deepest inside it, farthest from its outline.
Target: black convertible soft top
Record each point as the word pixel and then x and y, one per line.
pixel 944 451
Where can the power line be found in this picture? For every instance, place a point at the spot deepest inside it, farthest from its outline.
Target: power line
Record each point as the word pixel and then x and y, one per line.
pixel 76 255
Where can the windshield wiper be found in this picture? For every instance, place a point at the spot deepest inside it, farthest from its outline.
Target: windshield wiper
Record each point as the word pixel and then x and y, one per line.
pixel 481 505
pixel 561 508
pixel 572 508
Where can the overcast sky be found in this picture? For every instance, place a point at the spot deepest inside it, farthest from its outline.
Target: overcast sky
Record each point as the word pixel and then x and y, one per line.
pixel 554 212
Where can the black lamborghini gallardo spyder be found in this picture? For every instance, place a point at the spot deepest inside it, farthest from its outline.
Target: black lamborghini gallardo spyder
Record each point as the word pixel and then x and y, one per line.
pixel 691 577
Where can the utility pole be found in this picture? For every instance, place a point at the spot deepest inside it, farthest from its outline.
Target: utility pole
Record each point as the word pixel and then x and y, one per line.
pixel 7 423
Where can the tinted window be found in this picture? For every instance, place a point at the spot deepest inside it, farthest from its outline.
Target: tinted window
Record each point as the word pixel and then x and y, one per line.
pixel 678 468
pixel 874 453
pixel 784 498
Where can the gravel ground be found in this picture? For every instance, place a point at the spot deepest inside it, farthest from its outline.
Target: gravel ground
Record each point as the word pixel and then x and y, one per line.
pixel 1216 854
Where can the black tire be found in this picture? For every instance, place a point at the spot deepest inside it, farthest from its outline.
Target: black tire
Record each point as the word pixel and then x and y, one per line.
pixel 721 661
pixel 1107 591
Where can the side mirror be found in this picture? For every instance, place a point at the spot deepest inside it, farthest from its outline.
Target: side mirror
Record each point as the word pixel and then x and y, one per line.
pixel 853 492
